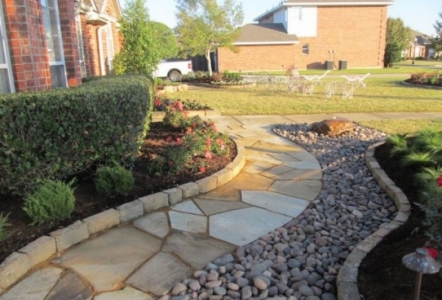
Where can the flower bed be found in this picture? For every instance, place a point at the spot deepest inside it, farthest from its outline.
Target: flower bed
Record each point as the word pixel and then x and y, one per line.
pixel 433 79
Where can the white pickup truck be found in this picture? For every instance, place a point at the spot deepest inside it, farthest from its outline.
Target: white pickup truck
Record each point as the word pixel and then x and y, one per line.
pixel 173 69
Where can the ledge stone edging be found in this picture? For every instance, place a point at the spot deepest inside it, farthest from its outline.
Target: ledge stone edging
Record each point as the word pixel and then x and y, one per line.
pixel 20 262
pixel 424 86
pixel 347 281
pixel 157 116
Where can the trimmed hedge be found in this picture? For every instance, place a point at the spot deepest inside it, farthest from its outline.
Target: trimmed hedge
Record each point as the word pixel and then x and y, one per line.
pixel 58 133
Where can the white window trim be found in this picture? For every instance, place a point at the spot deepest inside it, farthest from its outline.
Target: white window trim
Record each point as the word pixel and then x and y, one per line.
pixel 4 44
pixel 81 55
pixel 110 46
pixel 60 44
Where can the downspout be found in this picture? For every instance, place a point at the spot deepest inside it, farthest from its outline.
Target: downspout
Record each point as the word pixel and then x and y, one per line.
pixel 100 49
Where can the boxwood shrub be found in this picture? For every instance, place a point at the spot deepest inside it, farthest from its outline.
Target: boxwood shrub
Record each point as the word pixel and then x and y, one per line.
pixel 58 133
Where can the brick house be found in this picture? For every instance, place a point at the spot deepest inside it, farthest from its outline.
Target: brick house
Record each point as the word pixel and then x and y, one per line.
pixel 48 43
pixel 307 33
pixel 420 46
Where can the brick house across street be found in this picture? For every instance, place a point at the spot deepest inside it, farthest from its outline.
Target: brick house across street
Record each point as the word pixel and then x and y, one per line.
pixel 308 33
pixel 48 43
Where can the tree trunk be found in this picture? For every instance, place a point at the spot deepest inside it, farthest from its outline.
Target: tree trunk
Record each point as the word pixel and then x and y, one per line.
pixel 209 62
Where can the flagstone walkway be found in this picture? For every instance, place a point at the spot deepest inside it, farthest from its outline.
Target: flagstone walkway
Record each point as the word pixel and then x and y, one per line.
pixel 145 258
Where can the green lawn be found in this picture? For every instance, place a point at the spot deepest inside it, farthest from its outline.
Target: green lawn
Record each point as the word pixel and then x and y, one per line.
pixel 403 126
pixel 380 95
pixel 404 67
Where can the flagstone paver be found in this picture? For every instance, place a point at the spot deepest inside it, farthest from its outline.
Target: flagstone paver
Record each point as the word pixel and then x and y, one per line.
pixel 196 249
pixel 155 223
pixel 34 287
pixel 304 189
pixel 188 222
pixel 299 175
pixel 106 260
pixel 244 181
pixel 243 226
pixel 211 207
pixel 70 286
pixel 278 203
pixel 159 274
pixel 188 207
pixel 127 293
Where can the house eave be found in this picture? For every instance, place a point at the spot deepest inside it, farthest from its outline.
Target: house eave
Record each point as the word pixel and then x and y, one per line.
pixel 99 19
pixel 319 3
pixel 265 43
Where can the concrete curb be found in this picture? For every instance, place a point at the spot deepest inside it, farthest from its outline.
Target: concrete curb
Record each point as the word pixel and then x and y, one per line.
pixel 347 281
pixel 20 262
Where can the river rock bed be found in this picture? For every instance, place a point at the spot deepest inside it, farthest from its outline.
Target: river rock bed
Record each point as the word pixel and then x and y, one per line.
pixel 301 260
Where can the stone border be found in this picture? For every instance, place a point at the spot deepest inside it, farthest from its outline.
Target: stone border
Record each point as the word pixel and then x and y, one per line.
pixel 347 281
pixel 157 116
pixel 423 86
pixel 20 262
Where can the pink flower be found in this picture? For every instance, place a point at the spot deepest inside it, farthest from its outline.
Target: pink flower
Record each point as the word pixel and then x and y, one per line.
pixel 208 155
pixel 208 142
pixel 178 141
pixel 219 142
pixel 179 105
pixel 169 139
pixel 202 169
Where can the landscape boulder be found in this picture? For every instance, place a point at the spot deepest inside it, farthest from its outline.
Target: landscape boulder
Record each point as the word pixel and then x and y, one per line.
pixel 333 127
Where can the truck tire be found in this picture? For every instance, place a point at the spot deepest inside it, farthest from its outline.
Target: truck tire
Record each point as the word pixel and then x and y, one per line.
pixel 174 75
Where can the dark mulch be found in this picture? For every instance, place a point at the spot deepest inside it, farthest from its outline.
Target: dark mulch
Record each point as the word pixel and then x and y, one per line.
pixel 88 202
pixel 382 276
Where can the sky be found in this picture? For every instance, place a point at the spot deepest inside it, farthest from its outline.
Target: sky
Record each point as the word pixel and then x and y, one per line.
pixel 419 15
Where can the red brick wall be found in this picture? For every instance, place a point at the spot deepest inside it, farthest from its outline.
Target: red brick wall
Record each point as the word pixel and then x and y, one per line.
pixel 30 64
pixel 356 34
pixel 70 45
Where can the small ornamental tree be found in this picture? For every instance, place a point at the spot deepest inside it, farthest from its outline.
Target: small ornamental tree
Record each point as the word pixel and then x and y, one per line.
pixel 145 43
pixel 204 25
pixel 437 41
pixel 398 37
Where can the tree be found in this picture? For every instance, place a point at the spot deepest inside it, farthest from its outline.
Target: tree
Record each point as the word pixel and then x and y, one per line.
pixel 165 38
pixel 204 25
pixel 398 38
pixel 145 43
pixel 437 41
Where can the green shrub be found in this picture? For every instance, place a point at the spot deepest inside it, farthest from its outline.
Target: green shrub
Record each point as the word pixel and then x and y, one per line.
pixel 3 224
pixel 53 201
pixel 114 181
pixel 58 133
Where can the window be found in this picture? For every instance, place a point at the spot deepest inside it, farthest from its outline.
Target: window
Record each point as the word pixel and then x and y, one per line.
pixel 298 13
pixel 80 46
pixel 54 42
pixel 305 49
pixel 6 83
pixel 109 47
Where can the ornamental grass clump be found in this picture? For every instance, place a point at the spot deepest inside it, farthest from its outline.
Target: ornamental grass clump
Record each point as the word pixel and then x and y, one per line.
pixel 52 201
pixel 4 234
pixel 114 181
pixel 424 153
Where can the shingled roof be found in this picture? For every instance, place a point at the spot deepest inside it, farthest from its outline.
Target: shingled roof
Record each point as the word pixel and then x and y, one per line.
pixel 287 3
pixel 259 34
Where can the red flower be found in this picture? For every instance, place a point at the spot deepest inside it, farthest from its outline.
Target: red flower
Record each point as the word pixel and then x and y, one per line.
pixel 432 252
pixel 219 141
pixel 157 102
pixel 169 139
pixel 202 169
pixel 439 181
pixel 178 141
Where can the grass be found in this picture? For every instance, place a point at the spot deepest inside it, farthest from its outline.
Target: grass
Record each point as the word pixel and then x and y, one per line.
pixel 403 126
pixel 380 95
pixel 404 67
